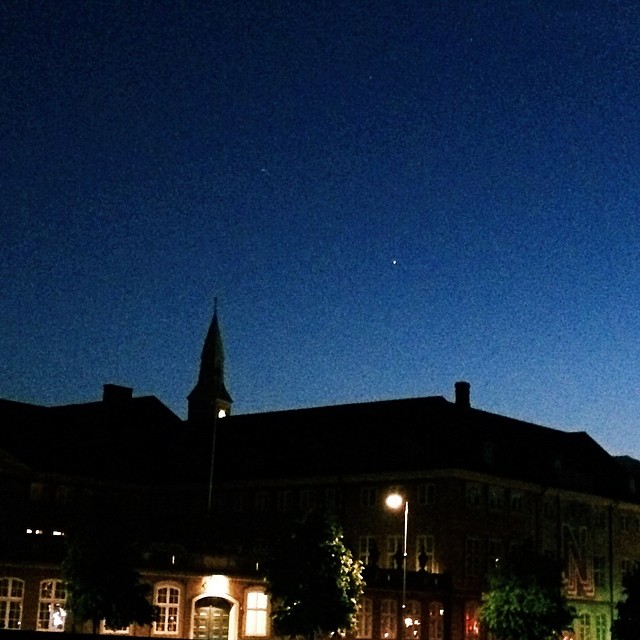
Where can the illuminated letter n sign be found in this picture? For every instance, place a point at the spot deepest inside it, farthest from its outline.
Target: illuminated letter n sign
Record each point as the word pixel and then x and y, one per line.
pixel 579 562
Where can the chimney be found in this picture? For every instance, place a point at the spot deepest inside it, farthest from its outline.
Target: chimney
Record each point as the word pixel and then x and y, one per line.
pixel 462 394
pixel 116 394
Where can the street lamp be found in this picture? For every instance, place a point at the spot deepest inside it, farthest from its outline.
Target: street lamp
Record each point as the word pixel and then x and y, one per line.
pixel 396 501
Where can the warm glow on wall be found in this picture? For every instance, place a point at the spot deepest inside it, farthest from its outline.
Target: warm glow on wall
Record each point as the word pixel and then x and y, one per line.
pixel 215 585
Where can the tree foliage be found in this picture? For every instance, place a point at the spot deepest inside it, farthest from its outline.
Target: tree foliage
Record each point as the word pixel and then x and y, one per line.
pixel 102 582
pixel 314 581
pixel 525 600
pixel 626 625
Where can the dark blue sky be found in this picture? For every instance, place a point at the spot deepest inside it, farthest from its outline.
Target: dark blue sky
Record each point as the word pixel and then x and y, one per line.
pixel 385 197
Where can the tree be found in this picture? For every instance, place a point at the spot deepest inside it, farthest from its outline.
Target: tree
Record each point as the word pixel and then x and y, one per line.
pixel 102 583
pixel 626 625
pixel 525 600
pixel 314 581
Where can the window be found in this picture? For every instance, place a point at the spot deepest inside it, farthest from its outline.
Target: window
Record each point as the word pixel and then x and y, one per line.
pixel 364 619
pixel 473 495
pixel 368 552
pixel 626 566
pixel 167 601
pixel 37 492
pixel 121 631
pixel 394 552
pixel 494 554
pixel 516 502
pixel 471 622
pixel 238 501
pixel 388 619
pixel 426 494
pixel 601 626
pixel 496 498
pixel 436 621
pixel 472 557
pixel 261 501
pixel 11 593
pixel 51 606
pixel 307 499
pixel 333 497
pixel 412 620
pixel 624 523
pixel 368 497
pixel 583 627
pixel 549 508
pixel 425 554
pixel 599 572
pixel 284 500
pixel 256 613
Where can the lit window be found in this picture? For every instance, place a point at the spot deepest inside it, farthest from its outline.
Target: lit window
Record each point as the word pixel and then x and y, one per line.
pixel 166 598
pixel 51 606
pixel 104 630
pixel 425 554
pixel 394 552
pixel 388 619
pixel 471 624
pixel 601 626
pixel 436 621
pixel 412 620
pixel 364 619
pixel 256 614
pixel 11 593
pixel 584 627
pixel 368 552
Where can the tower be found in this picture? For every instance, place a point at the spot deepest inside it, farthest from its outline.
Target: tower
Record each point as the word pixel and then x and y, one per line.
pixel 210 396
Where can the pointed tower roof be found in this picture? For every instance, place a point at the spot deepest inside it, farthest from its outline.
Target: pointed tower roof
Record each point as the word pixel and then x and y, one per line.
pixel 210 395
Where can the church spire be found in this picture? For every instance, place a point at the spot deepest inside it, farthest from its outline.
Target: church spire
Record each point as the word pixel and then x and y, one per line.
pixel 210 395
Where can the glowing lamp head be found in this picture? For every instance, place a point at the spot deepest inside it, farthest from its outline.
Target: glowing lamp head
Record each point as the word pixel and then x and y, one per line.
pixel 222 413
pixel 394 501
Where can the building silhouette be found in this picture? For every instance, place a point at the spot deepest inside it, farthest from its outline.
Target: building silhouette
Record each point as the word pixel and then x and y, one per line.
pixel 207 497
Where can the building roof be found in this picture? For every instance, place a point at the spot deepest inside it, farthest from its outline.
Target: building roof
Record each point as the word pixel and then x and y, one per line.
pixel 122 438
pixel 411 435
pixel 118 438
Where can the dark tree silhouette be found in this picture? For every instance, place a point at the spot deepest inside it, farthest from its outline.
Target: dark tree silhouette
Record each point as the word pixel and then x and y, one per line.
pixel 102 582
pixel 525 600
pixel 626 625
pixel 314 581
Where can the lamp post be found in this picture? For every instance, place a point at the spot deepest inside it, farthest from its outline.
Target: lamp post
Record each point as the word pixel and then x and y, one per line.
pixel 395 501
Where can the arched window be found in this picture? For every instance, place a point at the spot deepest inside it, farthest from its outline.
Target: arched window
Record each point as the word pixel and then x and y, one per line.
pixel 256 613
pixel 52 606
pixel 166 598
pixel 11 594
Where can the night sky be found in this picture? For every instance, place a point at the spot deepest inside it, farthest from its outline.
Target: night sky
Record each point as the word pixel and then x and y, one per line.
pixel 385 197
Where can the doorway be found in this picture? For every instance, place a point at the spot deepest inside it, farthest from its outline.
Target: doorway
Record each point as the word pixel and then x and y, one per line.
pixel 211 619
